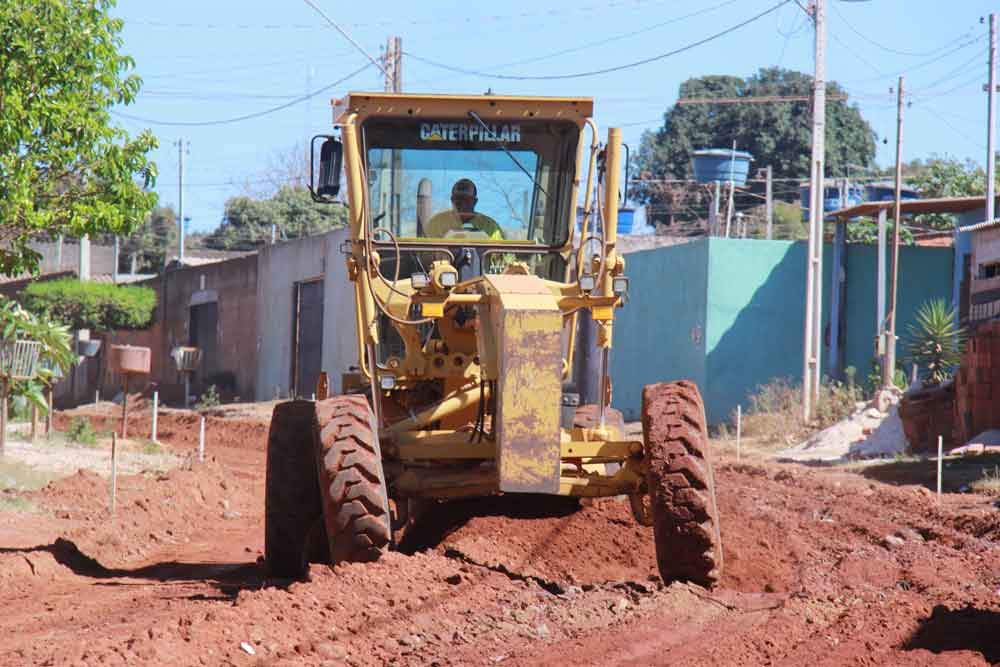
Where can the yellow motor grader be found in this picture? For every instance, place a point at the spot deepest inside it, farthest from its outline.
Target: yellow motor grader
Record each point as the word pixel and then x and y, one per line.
pixel 477 262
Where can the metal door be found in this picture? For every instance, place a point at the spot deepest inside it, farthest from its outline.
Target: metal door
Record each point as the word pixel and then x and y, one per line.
pixel 203 333
pixel 307 330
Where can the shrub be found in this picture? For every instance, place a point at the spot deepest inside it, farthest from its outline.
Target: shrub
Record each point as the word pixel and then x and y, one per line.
pixel 209 399
pixel 96 306
pixel 81 431
pixel 936 342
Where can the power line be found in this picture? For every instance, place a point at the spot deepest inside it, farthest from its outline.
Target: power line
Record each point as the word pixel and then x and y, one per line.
pixel 347 36
pixel 908 70
pixel 237 119
pixel 619 37
pixel 871 41
pixel 606 70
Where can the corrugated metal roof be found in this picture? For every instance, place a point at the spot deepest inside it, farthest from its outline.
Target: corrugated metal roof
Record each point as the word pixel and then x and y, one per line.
pixel 911 207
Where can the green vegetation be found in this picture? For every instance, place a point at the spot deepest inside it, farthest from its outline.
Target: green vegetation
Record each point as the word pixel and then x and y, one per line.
pixel 148 247
pixel 17 504
pixel 95 306
pixel 67 168
pixel 775 414
pixel 247 221
pixel 209 399
pixel 81 432
pixel 936 342
pixel 775 134
pixel 16 324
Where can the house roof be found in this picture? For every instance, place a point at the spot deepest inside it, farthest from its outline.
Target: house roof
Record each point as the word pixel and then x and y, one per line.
pixel 912 207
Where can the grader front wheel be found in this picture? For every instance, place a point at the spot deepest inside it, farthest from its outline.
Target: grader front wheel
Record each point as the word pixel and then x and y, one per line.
pixel 351 480
pixel 681 484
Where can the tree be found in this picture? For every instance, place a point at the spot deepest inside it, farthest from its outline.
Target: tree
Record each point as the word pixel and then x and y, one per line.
pixel 148 247
pixel 247 221
pixel 64 168
pixel 776 134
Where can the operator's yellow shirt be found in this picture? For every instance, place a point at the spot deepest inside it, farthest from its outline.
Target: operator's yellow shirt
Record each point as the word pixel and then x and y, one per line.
pixel 445 221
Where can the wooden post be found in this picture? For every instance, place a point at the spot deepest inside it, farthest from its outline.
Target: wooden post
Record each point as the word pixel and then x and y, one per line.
pixel 3 418
pixel 34 423
pixel 114 472
pixel 48 417
pixel 739 431
pixel 124 405
pixel 939 465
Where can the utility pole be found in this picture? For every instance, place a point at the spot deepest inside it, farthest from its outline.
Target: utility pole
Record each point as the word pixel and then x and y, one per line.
pixel 393 61
pixel 769 199
pixel 889 369
pixel 990 138
pixel 812 338
pixel 114 265
pixel 181 149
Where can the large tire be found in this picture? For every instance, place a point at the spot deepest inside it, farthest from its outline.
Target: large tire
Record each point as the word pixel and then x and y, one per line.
pixel 292 504
pixel 681 484
pixel 351 481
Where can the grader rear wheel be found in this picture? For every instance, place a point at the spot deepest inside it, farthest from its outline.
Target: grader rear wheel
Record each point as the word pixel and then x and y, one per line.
pixel 681 484
pixel 292 506
pixel 352 483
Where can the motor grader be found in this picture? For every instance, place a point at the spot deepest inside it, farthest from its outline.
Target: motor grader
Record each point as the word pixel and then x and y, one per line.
pixel 478 264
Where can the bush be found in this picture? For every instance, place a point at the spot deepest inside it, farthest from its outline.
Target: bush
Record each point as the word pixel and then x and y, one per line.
pixel 209 399
pixel 775 414
pixel 96 306
pixel 81 431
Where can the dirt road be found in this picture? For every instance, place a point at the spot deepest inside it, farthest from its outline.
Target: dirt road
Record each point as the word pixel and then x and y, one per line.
pixel 823 567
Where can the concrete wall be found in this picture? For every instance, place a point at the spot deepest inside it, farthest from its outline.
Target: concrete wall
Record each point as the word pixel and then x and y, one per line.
pixel 660 334
pixel 749 298
pixel 232 285
pixel 281 266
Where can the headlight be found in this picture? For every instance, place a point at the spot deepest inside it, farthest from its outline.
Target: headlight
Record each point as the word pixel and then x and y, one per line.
pixel 619 285
pixel 587 282
pixel 448 278
pixel 387 382
pixel 420 280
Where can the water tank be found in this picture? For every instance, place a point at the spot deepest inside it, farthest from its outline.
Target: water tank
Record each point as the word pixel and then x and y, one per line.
pixel 887 192
pixel 831 198
pixel 626 217
pixel 721 164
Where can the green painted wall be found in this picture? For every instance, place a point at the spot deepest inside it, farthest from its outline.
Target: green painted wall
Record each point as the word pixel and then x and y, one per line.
pixel 756 304
pixel 659 334
pixel 924 273
pixel 746 298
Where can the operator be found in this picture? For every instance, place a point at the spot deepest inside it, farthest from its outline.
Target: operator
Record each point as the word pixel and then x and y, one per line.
pixel 463 214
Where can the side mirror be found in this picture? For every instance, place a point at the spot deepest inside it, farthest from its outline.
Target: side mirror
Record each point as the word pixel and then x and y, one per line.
pixel 331 155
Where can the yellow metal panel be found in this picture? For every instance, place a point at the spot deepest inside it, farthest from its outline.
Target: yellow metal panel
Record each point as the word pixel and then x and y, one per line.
pixel 512 107
pixel 603 313
pixel 431 309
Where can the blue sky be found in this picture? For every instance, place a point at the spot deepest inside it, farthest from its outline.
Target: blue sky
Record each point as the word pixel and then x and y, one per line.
pixel 214 61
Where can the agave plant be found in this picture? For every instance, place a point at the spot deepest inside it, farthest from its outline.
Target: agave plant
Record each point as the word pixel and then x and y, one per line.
pixel 936 342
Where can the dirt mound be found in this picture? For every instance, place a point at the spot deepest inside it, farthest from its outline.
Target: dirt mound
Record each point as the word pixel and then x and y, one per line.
pixel 546 538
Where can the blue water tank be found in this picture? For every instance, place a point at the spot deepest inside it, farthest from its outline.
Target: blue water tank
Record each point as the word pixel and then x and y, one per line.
pixel 831 198
pixel 626 216
pixel 887 192
pixel 722 165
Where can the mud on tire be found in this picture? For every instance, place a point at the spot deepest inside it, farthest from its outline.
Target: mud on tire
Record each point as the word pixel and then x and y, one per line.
pixel 681 484
pixel 292 505
pixel 351 481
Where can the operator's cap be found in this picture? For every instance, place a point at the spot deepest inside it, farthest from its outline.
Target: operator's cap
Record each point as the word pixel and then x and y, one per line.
pixel 464 187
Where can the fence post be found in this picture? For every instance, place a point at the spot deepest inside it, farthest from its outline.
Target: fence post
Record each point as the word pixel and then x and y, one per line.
pixel 739 431
pixel 156 408
pixel 114 472
pixel 939 465
pixel 201 441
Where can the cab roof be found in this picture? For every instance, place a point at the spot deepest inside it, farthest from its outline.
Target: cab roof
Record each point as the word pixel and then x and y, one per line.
pixel 495 107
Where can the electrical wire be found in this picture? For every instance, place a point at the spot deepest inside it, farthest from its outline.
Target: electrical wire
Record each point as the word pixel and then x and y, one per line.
pixel 888 49
pixel 607 70
pixel 346 36
pixel 250 116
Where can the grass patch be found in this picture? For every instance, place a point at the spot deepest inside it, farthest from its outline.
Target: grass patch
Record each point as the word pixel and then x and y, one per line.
pixel 17 504
pixel 989 483
pixel 81 432
pixel 774 417
pixel 22 477
pixel 148 446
